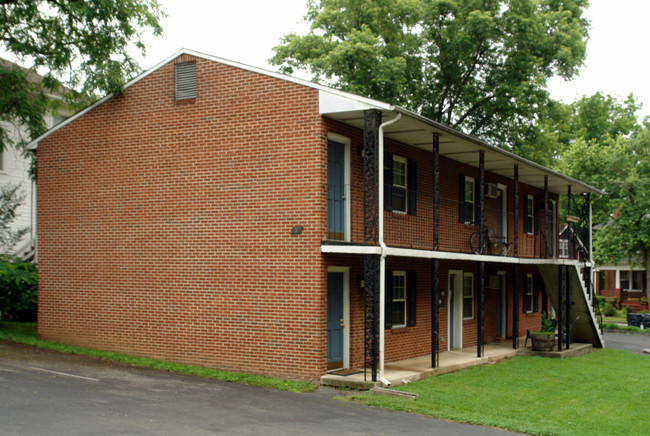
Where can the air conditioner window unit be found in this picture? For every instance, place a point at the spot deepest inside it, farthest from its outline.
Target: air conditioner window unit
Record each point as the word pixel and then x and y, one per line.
pixel 491 190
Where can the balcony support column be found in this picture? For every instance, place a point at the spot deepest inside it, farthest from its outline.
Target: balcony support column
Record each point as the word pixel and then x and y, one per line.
pixel 371 263
pixel 560 306
pixel 515 306
pixel 588 270
pixel 547 221
pixel 435 263
pixel 516 203
pixel 435 313
pixel 481 265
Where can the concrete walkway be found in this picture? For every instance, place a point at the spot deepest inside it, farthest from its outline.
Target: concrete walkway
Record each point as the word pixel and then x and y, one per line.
pixel 405 371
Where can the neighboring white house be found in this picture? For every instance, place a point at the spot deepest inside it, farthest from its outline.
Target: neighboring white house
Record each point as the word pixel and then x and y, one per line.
pixel 14 170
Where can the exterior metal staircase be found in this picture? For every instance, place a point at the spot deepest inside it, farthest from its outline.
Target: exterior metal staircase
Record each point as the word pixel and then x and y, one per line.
pixel 586 328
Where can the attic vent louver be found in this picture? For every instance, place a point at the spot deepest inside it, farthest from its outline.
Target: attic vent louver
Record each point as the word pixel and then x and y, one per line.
pixel 185 80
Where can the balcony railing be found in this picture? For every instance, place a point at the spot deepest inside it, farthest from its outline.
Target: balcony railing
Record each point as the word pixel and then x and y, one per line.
pixel 413 227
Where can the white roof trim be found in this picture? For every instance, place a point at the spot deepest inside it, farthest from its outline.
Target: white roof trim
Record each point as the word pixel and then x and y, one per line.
pixel 360 101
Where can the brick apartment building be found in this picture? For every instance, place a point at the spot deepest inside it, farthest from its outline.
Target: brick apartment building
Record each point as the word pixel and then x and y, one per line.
pixel 222 215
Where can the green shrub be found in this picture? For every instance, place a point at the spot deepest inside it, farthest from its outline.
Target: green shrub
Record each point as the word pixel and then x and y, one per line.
pixel 18 285
pixel 610 310
pixel 626 310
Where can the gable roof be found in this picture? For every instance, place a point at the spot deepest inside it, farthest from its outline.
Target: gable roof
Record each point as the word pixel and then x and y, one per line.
pixel 412 129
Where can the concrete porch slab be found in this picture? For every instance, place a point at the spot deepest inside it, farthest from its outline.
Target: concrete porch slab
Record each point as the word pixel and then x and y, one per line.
pixel 417 368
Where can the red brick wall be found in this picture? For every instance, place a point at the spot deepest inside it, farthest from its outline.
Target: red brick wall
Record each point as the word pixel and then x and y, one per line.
pixel 406 342
pixel 164 226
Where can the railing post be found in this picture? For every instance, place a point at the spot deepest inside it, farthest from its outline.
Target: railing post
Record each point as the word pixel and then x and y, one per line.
pixel 572 250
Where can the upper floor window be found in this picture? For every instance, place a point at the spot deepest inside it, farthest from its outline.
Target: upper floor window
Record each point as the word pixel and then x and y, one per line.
pixel 400 183
pixel 529 214
pixel 467 200
pixel 564 247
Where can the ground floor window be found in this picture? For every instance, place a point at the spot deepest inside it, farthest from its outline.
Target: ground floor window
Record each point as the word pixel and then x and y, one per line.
pixel 399 299
pixel 528 294
pixel 468 296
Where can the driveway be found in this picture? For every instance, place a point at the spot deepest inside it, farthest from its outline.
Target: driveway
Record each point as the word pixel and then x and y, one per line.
pixel 49 393
pixel 629 341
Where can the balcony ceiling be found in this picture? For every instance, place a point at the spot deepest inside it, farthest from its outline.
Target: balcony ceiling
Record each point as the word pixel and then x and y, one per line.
pixel 417 131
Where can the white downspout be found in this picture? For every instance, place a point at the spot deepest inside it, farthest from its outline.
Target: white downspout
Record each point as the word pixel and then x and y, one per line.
pixel 382 262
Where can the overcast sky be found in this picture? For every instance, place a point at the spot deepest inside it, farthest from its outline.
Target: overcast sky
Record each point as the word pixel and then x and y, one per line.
pixel 247 30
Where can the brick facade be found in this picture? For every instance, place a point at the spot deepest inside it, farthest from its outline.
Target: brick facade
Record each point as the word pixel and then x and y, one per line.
pixel 165 229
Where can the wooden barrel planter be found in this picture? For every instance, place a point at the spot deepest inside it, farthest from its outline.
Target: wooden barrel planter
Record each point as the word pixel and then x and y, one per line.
pixel 543 341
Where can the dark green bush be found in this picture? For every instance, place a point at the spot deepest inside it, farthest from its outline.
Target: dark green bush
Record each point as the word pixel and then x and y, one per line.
pixel 18 286
pixel 610 310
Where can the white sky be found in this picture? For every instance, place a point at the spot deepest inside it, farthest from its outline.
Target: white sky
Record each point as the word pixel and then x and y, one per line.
pixel 247 30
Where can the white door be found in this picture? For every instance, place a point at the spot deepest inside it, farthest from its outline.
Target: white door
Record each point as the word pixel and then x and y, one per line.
pixel 455 309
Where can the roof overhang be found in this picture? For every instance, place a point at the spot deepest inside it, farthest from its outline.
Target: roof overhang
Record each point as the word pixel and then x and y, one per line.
pixel 417 131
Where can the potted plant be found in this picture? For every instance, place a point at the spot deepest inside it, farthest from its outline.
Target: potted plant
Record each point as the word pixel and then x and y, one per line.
pixel 544 340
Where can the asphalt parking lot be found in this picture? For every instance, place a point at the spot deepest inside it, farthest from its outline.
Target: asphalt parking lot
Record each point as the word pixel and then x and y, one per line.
pixel 49 393
pixel 622 340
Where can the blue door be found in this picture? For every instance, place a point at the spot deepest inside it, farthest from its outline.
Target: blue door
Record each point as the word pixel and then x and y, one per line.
pixel 335 191
pixel 334 320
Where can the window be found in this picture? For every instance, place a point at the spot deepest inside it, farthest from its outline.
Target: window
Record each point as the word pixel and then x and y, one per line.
pixel 529 214
pixel 564 248
pixel 399 299
pixel 631 280
pixel 468 296
pixel 637 280
pixel 625 279
pixel 467 200
pixel 400 184
pixel 528 294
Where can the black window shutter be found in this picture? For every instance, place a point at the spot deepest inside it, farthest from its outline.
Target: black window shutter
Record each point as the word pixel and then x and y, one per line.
pixel 461 198
pixel 536 215
pixel 411 186
pixel 411 297
pixel 388 181
pixel 536 294
pixel 528 223
pixel 477 206
pixel 388 301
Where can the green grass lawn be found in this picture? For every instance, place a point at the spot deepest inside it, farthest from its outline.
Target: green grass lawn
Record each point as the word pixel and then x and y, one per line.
pixel 25 333
pixel 602 393
pixel 615 319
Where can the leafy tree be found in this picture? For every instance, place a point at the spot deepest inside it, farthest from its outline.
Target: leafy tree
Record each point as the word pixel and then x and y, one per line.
pixel 82 45
pixel 477 65
pixel 619 165
pixel 10 199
